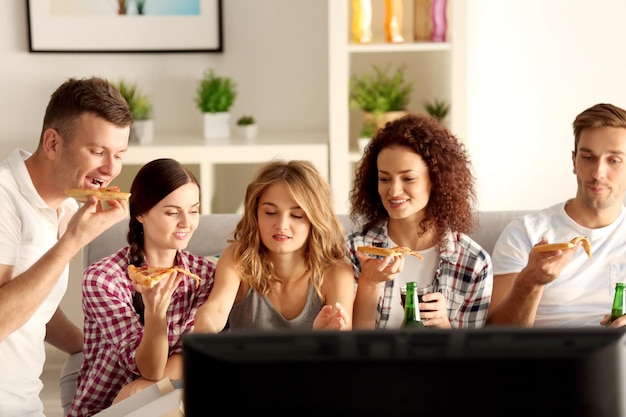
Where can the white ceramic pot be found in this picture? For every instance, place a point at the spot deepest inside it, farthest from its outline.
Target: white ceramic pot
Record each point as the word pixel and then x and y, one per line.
pixel 142 132
pixel 216 125
pixel 248 132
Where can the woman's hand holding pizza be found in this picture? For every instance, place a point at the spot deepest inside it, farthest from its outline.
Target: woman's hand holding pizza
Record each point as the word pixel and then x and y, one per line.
pixel 157 298
pixel 378 270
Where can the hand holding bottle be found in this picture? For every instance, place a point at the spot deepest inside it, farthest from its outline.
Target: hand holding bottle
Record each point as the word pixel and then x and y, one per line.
pixel 616 318
pixel 432 306
pixel 434 312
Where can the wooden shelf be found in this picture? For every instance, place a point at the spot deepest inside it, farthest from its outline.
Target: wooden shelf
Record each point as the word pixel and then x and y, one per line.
pixel 192 149
pixel 345 57
pixel 399 47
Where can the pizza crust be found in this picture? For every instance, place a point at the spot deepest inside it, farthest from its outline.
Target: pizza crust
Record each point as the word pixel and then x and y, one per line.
pixel 547 247
pixel 148 276
pixel 395 251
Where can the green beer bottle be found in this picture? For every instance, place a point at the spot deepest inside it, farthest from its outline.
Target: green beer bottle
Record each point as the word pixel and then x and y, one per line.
pixel 618 302
pixel 412 307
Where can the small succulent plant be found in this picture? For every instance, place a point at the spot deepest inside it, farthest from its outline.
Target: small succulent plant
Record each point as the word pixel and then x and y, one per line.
pixel 245 121
pixel 437 108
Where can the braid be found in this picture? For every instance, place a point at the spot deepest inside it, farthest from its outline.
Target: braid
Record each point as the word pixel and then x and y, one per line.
pixel 136 257
pixel 135 240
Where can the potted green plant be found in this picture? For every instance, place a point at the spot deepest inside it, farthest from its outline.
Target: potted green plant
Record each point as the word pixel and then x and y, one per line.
pixel 247 127
pixel 214 97
pixel 381 95
pixel 142 130
pixel 437 108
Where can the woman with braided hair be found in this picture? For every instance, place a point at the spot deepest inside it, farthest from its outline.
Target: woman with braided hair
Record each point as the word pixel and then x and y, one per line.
pixel 133 332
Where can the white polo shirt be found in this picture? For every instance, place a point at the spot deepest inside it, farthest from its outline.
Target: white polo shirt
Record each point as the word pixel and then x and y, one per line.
pixel 28 229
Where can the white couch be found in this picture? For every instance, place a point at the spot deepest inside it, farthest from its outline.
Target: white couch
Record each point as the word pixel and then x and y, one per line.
pixel 210 239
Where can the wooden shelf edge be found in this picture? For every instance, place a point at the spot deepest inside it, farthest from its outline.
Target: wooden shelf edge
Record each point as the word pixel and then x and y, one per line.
pixel 399 47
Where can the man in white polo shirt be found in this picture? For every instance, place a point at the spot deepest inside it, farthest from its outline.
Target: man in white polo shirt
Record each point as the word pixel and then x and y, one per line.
pixel 84 136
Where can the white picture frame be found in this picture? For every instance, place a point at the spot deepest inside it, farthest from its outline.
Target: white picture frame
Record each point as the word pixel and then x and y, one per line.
pixel 101 26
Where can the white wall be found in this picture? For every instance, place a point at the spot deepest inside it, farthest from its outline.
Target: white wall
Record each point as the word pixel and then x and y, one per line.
pixel 531 67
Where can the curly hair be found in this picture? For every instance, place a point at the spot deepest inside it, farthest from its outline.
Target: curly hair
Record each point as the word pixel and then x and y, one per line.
pixel 325 244
pixel 451 204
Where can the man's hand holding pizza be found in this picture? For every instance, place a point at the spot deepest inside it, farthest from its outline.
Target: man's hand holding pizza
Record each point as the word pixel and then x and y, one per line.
pixel 546 260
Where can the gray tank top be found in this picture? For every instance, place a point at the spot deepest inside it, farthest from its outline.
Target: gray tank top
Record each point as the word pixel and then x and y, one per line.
pixel 257 313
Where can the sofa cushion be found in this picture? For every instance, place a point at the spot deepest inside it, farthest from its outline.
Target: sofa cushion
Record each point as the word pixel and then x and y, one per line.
pixel 490 224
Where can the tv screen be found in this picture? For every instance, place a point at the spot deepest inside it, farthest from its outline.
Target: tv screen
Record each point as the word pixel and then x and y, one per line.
pixel 494 371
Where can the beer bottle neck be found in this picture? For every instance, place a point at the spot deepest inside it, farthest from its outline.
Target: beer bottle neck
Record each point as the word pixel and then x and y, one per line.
pixel 411 309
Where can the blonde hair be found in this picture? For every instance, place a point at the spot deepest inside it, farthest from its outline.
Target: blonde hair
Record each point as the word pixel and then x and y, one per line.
pixel 325 245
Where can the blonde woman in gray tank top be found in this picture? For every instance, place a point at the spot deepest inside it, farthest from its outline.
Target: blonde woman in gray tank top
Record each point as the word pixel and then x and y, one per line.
pixel 286 266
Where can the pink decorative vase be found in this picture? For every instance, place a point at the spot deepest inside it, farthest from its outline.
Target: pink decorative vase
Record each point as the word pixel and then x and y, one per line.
pixel 439 21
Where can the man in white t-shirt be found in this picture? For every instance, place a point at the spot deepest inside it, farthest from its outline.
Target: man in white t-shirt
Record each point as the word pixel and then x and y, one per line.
pixel 84 135
pixel 566 288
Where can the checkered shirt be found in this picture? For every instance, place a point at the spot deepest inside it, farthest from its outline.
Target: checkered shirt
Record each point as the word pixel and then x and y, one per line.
pixel 464 276
pixel 113 331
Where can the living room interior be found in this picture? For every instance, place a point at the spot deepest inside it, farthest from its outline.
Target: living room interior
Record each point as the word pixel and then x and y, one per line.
pixel 516 74
pixel 519 73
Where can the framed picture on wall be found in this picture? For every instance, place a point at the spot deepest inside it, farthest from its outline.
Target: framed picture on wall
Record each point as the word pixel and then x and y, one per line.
pixel 125 25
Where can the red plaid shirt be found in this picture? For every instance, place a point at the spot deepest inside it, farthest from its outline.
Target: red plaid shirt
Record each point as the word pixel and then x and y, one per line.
pixel 112 328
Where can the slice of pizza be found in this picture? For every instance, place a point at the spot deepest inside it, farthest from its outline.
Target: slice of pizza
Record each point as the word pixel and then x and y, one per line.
pixel 104 193
pixel 547 247
pixel 395 251
pixel 148 276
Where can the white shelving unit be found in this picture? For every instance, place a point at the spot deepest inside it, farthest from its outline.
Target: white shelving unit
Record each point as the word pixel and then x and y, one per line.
pixel 347 58
pixel 192 149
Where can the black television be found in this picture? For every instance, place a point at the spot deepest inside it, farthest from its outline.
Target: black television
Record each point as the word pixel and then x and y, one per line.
pixel 493 371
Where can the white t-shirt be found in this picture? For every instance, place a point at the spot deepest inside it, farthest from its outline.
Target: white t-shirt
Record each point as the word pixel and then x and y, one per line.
pixel 28 228
pixel 422 272
pixel 583 293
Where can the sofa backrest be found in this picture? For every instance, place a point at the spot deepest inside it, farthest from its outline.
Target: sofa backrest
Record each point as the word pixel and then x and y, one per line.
pixel 491 223
pixel 215 229
pixel 209 239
